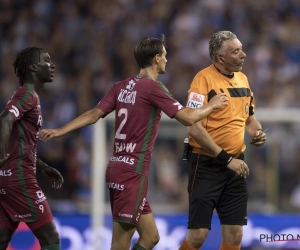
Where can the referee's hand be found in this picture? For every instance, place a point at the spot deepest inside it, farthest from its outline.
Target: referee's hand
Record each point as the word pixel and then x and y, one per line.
pixel 259 138
pixel 239 167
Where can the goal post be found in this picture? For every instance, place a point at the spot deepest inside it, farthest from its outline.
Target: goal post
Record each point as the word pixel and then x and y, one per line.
pixel 99 163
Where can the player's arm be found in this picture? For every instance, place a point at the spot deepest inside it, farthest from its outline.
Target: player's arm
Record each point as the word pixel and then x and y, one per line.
pixel 87 118
pixel 6 124
pixel 189 116
pixel 50 173
pixel 201 136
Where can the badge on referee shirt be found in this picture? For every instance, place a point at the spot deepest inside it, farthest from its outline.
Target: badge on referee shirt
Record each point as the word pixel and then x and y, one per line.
pixel 195 100
pixel 247 108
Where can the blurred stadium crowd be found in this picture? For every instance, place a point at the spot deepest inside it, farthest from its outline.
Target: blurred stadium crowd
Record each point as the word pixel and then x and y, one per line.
pixel 91 43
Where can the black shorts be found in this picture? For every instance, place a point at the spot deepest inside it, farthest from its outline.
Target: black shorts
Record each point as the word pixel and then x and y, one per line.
pixel 214 186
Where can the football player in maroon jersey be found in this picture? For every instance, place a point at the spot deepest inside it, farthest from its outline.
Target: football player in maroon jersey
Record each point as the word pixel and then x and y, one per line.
pixel 21 197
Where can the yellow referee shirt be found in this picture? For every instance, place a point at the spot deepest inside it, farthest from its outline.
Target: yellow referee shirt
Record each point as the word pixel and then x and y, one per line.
pixel 226 126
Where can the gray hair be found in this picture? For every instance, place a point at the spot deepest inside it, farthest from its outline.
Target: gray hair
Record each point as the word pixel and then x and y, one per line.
pixel 216 42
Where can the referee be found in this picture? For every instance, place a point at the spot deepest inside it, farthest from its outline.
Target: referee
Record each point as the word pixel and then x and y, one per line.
pixel 217 171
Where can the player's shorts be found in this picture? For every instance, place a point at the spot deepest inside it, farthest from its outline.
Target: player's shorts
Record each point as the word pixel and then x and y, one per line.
pixel 213 186
pixel 128 195
pixel 24 203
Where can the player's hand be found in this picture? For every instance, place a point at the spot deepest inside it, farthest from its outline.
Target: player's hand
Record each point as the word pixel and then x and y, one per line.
pixel 239 167
pixel 259 138
pixel 47 134
pixel 53 176
pixel 219 101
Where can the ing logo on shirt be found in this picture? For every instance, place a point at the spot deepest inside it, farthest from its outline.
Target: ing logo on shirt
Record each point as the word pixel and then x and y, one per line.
pixel 195 100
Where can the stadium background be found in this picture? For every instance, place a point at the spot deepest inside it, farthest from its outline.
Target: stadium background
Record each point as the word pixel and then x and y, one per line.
pixel 91 43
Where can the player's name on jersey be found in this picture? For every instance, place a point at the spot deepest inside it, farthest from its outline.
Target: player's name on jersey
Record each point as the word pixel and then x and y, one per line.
pixel 126 96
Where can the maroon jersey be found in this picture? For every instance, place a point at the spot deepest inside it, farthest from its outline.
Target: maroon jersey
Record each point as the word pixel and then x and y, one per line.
pixel 138 104
pixel 20 167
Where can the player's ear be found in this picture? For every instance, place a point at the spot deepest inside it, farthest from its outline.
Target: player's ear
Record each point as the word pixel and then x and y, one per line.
pixel 33 67
pixel 156 59
pixel 220 59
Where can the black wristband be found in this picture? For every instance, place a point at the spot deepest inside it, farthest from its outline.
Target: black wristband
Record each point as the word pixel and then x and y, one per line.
pixel 224 158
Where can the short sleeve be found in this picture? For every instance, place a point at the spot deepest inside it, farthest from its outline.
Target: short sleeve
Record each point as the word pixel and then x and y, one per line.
pixel 108 102
pixel 164 100
pixel 198 92
pixel 21 102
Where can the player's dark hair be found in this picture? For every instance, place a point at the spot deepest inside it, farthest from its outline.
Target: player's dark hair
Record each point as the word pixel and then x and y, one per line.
pixel 216 42
pixel 25 58
pixel 146 49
